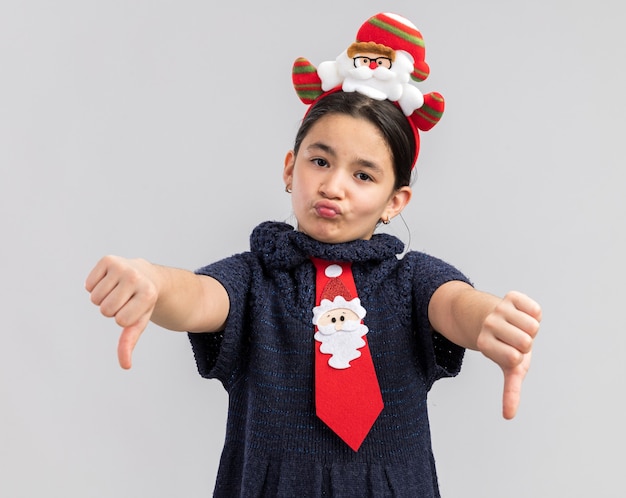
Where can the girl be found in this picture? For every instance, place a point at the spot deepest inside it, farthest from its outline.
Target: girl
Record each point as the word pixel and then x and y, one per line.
pixel 252 319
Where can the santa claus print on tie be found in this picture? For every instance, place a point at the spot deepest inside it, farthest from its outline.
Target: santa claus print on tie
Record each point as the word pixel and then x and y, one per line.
pixel 339 321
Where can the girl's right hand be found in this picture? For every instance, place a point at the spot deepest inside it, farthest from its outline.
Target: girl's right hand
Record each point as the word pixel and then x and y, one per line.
pixel 127 290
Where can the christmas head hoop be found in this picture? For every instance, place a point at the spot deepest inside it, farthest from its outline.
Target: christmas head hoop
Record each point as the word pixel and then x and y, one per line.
pixel 385 59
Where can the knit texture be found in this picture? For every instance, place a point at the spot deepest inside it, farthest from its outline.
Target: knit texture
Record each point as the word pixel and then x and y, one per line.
pixel 275 445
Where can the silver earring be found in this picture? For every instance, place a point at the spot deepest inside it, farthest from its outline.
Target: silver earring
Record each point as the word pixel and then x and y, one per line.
pixel 386 222
pixel 287 189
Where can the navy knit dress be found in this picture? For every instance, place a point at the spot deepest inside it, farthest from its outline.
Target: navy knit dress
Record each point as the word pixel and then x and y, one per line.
pixel 275 445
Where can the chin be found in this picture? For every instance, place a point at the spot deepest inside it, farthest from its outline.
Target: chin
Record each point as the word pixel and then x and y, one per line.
pixel 331 231
pixel 336 236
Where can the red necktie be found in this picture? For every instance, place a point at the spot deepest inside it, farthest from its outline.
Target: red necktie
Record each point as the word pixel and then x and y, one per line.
pixel 347 394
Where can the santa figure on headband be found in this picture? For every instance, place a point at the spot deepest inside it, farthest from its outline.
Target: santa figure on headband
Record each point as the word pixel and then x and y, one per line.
pixel 385 60
pixel 388 51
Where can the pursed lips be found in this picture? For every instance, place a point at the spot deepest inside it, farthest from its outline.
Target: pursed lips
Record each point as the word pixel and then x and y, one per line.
pixel 326 209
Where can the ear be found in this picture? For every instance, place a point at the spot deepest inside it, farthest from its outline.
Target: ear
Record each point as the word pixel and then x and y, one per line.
pixel 398 201
pixel 290 161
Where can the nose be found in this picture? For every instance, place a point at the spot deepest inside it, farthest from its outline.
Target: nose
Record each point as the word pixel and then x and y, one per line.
pixel 333 185
pixel 373 65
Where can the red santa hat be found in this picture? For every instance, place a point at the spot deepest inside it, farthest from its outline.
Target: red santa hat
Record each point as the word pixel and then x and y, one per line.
pixel 397 33
pixel 336 295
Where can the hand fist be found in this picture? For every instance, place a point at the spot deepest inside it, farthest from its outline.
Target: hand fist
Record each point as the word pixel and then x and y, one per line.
pixel 507 337
pixel 124 289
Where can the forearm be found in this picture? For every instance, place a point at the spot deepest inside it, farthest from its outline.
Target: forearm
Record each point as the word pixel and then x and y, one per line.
pixel 458 311
pixel 186 301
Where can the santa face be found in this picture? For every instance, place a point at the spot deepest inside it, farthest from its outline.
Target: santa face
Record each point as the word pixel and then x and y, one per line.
pixel 340 333
pixel 337 320
pixel 342 180
pixel 375 74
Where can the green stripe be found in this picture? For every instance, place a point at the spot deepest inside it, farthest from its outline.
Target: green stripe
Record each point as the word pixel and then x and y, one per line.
pixel 419 75
pixel 415 40
pixel 306 87
pixel 436 97
pixel 430 114
pixel 303 69
pixel 308 95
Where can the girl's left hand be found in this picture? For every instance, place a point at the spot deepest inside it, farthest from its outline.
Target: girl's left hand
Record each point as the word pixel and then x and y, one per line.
pixel 506 337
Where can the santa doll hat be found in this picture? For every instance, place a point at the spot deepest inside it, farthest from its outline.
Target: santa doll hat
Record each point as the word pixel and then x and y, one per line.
pixel 399 33
pixel 336 295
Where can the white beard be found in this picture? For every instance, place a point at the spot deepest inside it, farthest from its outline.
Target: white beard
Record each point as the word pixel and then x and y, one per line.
pixel 380 83
pixel 342 344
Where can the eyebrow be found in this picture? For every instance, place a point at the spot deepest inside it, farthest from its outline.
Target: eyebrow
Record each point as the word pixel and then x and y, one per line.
pixel 329 150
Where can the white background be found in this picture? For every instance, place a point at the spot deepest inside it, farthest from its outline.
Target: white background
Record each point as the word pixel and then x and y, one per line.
pixel 158 129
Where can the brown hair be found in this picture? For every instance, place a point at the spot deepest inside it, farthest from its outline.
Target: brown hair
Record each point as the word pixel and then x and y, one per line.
pixel 376 48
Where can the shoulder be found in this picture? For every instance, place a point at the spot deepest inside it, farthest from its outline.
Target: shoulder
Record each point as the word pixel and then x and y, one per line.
pixel 423 261
pixel 430 271
pixel 236 268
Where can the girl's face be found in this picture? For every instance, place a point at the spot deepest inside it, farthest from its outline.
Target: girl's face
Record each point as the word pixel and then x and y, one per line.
pixel 342 180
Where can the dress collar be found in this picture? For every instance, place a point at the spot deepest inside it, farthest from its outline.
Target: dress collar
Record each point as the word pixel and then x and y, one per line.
pixel 280 246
